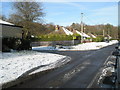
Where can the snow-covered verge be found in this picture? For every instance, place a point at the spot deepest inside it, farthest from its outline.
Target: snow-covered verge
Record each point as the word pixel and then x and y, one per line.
pixel 16 64
pixel 84 46
pixel 107 76
pixel 94 45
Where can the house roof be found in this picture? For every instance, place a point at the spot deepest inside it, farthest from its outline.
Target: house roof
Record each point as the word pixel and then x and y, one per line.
pixel 62 31
pixel 67 31
pixel 82 34
pixel 8 24
pixel 4 22
pixel 91 35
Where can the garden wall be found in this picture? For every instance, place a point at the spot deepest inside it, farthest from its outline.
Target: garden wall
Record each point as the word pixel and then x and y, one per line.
pixel 52 43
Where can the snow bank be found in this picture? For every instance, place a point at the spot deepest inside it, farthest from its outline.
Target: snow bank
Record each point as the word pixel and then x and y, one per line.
pixel 107 70
pixel 93 45
pixel 84 46
pixel 16 64
pixel 44 48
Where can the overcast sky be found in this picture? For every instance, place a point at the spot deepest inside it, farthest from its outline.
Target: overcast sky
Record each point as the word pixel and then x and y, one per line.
pixel 65 13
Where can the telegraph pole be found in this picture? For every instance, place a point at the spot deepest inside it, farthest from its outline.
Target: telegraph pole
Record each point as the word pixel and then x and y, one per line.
pixel 103 32
pixel 82 22
pixel 82 26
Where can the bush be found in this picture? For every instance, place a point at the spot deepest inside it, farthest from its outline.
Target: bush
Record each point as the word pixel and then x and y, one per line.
pixel 10 43
pixel 15 44
pixel 25 45
pixel 52 37
pixel 98 39
pixel 76 37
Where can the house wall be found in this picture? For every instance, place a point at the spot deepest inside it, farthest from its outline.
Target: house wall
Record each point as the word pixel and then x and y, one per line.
pixel 11 31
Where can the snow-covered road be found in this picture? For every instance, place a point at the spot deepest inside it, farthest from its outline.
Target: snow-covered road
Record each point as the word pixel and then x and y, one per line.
pixel 17 64
pixel 84 46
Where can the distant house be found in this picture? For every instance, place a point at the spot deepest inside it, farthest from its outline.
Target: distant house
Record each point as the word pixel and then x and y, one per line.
pixel 91 35
pixel 10 30
pixel 109 37
pixel 67 31
pixel 62 31
pixel 84 35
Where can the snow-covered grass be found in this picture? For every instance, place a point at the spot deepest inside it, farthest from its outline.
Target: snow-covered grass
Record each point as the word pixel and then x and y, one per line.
pixel 94 45
pixel 17 64
pixel 84 46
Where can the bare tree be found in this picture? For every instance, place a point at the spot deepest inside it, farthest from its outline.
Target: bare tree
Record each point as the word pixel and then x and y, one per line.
pixel 28 11
pixel 26 14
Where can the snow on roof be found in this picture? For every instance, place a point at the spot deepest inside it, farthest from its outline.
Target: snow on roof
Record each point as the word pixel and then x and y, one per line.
pixel 82 34
pixel 79 33
pixel 93 36
pixel 109 36
pixel 67 31
pixel 4 22
pixel 85 35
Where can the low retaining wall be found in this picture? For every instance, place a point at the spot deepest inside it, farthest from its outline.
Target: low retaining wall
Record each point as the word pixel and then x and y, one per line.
pixel 52 43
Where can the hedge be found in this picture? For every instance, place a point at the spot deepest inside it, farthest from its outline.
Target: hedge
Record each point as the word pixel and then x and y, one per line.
pixel 98 39
pixel 53 37
pixel 15 44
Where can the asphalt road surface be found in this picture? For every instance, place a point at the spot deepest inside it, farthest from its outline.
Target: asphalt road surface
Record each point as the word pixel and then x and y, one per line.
pixel 78 73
